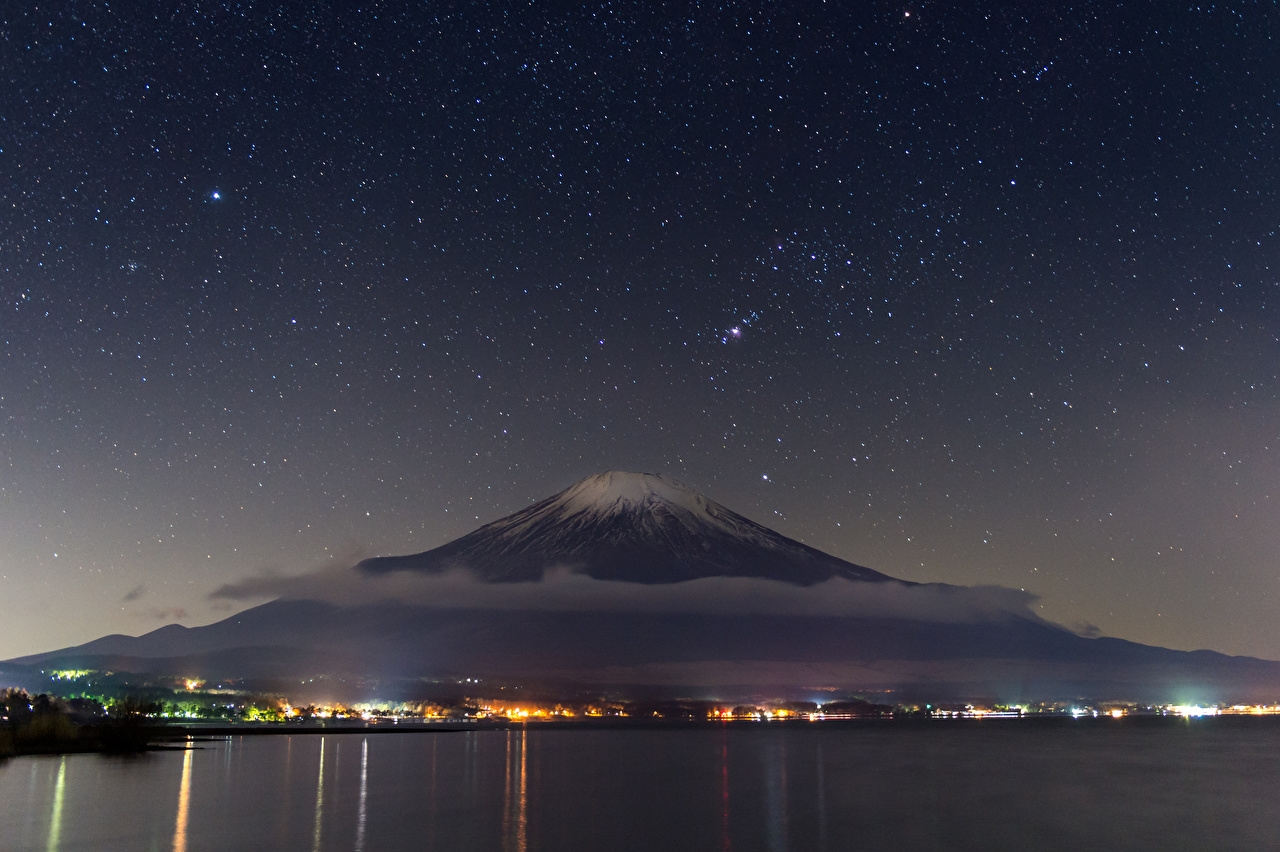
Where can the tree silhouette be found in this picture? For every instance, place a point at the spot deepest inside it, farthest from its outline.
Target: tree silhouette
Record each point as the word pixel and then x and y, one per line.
pixel 128 726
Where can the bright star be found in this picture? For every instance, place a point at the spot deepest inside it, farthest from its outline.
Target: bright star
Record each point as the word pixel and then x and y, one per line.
pixel 215 195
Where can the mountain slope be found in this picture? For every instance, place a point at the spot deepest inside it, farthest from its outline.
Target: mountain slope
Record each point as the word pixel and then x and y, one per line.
pixel 635 527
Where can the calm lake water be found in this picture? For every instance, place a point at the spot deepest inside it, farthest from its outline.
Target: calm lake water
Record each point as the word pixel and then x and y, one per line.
pixel 990 784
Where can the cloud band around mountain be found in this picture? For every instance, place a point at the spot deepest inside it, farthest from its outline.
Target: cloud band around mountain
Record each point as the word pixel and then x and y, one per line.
pixel 564 590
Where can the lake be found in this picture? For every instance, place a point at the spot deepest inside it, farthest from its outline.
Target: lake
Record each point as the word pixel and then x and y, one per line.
pixel 969 784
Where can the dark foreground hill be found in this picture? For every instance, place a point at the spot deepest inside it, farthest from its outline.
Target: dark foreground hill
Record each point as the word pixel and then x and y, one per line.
pixel 682 597
pixel 699 655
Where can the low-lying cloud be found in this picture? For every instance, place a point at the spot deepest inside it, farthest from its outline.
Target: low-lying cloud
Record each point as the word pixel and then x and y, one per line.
pixel 564 590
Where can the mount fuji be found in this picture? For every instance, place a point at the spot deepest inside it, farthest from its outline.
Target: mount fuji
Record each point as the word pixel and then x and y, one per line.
pixel 628 582
pixel 631 527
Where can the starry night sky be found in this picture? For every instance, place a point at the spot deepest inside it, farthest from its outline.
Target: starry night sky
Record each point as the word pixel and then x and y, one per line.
pixel 980 295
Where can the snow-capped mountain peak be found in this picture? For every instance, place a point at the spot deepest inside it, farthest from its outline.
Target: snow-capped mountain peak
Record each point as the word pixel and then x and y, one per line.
pixel 634 527
pixel 617 490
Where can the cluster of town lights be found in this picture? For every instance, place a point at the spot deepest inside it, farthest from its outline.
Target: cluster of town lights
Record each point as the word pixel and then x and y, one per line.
pixel 263 709
pixel 522 712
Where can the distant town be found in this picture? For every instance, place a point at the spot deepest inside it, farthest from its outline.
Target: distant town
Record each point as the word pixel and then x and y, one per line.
pixel 85 710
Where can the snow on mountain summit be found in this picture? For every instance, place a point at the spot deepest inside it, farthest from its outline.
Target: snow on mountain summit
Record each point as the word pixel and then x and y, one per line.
pixel 622 490
pixel 632 527
pixel 615 494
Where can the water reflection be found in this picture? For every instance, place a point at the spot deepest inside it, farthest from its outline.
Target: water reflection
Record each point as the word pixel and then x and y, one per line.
pixel 822 802
pixel 470 775
pixel 364 794
pixel 432 798
pixel 725 844
pixel 515 827
pixel 184 805
pixel 55 819
pixel 578 790
pixel 315 833
pixel 776 795
pixel 522 820
pixel 286 793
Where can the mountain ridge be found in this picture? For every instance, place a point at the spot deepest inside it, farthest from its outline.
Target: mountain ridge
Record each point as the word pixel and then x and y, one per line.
pixel 660 539
pixel 408 647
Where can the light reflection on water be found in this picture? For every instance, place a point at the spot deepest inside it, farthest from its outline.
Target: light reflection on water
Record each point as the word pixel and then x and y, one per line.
pixel 362 812
pixel 55 819
pixel 184 805
pixel 315 832
pixel 515 801
pixel 741 788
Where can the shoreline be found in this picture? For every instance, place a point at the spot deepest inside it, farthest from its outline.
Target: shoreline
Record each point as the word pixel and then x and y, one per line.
pixel 184 737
